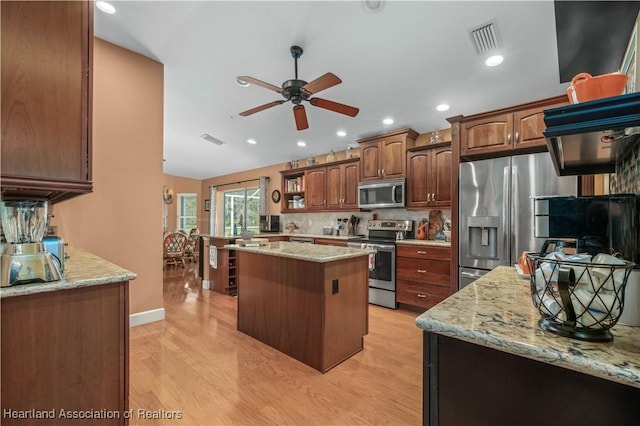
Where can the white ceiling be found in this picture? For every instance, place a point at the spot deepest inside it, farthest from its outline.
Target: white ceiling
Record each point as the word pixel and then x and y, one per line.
pixel 401 61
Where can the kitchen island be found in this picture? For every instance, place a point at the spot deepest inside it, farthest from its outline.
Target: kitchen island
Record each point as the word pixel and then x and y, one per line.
pixel 486 362
pixel 307 301
pixel 65 346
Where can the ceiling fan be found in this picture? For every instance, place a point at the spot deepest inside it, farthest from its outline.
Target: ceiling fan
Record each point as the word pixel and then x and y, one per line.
pixel 297 91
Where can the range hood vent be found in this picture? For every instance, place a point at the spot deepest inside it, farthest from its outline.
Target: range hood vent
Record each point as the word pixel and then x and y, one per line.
pixel 592 137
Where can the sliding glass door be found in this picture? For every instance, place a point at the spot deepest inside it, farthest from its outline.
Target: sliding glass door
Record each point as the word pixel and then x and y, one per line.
pixel 241 211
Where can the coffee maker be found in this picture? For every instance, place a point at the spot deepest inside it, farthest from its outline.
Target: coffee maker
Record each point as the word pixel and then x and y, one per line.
pixel 24 258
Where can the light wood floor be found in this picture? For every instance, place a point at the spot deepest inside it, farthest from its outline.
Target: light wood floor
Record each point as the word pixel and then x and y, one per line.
pixel 197 363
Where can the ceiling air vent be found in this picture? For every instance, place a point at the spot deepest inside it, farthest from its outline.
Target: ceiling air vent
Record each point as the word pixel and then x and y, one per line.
pixel 207 137
pixel 485 38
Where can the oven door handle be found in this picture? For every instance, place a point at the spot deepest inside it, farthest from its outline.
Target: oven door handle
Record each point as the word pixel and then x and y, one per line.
pixel 385 248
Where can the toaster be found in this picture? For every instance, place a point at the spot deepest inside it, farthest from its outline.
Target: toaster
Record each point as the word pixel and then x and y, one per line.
pixel 55 246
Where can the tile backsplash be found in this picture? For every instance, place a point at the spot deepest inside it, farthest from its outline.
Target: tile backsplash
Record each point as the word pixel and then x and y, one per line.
pixel 312 223
pixel 627 176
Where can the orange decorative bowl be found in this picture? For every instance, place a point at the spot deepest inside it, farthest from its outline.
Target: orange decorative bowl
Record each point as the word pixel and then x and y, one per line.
pixel 585 88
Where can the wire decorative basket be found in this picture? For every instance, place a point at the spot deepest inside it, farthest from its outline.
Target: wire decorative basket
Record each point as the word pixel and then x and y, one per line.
pixel 578 298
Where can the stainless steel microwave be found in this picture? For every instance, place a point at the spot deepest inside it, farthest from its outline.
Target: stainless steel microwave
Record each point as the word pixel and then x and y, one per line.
pixel 381 194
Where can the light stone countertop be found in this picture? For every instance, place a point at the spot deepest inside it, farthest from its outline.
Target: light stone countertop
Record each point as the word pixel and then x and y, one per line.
pixel 82 269
pixel 301 251
pixel 496 311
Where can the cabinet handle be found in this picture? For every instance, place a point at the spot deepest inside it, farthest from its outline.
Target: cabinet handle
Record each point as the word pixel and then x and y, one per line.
pixel 382 172
pixel 421 252
pixel 422 271
pixel 433 197
pixel 421 296
pixel 429 197
pixel 509 137
pixel 517 136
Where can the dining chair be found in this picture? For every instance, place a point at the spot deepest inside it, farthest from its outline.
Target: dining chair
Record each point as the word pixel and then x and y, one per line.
pixel 174 249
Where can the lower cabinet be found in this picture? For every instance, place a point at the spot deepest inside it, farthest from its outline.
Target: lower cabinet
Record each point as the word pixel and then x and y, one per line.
pixel 223 277
pixel 66 352
pixel 422 274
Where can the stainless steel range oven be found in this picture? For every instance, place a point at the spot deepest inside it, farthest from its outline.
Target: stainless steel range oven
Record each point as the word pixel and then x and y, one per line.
pixel 382 264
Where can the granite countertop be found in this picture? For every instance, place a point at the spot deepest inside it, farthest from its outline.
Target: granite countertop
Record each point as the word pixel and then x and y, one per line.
pixel 302 251
pixel 82 269
pixel 496 311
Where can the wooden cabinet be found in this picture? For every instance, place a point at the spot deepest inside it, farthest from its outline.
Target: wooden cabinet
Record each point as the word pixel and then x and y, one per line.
pixel 66 350
pixel 384 156
pixel 423 275
pixel 330 187
pixel 330 242
pixel 46 98
pixel 511 129
pixel 316 191
pixel 429 176
pixel 342 185
pixel 293 185
pixel 223 277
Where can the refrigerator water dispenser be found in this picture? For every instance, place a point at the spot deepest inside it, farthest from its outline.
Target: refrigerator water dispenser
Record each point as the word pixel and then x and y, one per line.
pixel 483 236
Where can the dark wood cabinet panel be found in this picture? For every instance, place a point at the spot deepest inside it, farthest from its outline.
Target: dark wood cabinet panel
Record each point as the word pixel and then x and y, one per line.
pixel 429 176
pixel 67 349
pixel 46 98
pixel 424 275
pixel 383 157
pixel 330 242
pixel 509 130
pixel 342 185
pixel 316 188
pixel 423 252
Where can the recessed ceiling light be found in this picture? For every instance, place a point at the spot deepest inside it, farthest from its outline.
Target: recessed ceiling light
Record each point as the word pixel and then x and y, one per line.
pixel 242 83
pixel 252 141
pixel 387 121
pixel 106 7
pixel 494 60
pixel 302 143
pixel 442 107
pixel 341 133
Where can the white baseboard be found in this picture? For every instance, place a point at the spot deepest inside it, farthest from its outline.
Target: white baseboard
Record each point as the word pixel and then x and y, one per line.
pixel 206 284
pixel 146 317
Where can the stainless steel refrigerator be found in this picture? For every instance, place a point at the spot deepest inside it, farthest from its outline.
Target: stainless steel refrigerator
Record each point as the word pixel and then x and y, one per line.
pixel 495 203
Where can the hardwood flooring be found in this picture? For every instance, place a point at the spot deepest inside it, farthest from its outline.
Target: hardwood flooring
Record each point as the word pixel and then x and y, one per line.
pixel 195 368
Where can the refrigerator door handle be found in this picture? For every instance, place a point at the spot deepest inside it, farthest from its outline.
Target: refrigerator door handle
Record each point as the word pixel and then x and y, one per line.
pixel 515 208
pixel 506 227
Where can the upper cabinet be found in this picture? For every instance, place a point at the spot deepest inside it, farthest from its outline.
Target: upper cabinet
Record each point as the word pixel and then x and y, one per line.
pixel 46 98
pixel 328 187
pixel 429 176
pixel 511 129
pixel 342 185
pixel 384 156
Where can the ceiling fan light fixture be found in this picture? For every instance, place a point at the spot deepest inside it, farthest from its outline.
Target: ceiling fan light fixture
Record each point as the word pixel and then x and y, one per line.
pixel 388 121
pixel 442 107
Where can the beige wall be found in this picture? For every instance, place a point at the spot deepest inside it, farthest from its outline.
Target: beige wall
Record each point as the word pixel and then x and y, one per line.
pixel 121 220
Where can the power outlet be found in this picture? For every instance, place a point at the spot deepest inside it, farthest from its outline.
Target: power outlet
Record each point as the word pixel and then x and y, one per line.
pixel 334 283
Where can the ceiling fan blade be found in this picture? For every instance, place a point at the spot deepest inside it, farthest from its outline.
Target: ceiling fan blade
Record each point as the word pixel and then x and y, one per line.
pixel 301 117
pixel 261 108
pixel 257 82
pixel 321 83
pixel 334 106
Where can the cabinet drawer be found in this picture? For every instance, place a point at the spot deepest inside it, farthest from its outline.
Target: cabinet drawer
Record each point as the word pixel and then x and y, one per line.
pixel 421 295
pixel 423 252
pixel 423 270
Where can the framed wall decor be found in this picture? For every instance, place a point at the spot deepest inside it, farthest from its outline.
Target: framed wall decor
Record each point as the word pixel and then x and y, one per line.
pixel 275 196
pixel 207 205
